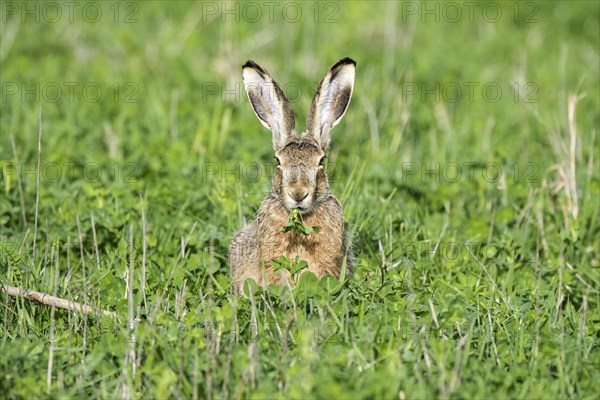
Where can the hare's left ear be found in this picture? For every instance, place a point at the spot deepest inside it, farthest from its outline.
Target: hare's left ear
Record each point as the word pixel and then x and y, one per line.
pixel 331 101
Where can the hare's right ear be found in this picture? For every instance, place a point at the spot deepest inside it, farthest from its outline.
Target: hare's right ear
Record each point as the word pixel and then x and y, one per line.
pixel 269 103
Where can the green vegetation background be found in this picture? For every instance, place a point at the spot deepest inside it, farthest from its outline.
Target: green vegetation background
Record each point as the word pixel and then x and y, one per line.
pixel 474 215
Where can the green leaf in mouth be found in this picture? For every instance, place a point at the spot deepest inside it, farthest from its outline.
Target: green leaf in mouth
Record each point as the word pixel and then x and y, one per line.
pixel 295 223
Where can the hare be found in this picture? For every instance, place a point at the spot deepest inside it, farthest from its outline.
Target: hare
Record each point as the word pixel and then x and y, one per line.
pixel 299 182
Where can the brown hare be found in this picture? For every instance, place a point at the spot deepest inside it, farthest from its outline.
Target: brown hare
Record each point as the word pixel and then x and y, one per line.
pixel 299 182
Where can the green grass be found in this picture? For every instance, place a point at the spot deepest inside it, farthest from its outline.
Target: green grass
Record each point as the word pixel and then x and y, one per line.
pixel 471 286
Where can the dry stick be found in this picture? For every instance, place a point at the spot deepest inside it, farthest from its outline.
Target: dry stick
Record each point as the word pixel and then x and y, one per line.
pixel 19 182
pixel 37 183
pixel 49 300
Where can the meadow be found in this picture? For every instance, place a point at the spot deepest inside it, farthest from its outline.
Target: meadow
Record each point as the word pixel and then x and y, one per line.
pixel 467 166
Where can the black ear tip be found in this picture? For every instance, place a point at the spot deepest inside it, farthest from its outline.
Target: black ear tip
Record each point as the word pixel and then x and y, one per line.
pixel 256 67
pixel 250 64
pixel 344 61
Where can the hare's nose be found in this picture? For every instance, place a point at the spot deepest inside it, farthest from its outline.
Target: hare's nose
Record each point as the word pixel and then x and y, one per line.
pixel 298 194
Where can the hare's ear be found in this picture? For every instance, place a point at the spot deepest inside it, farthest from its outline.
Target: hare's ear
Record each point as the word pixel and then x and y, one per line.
pixel 331 100
pixel 269 103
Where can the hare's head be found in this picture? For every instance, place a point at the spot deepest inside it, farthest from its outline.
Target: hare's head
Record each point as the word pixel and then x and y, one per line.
pixel 300 180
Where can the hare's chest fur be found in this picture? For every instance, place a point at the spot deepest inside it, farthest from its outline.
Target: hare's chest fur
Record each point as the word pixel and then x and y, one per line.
pixel 322 250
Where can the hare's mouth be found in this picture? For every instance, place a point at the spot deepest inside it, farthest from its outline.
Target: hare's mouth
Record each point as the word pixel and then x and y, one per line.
pixel 303 210
pixel 304 206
